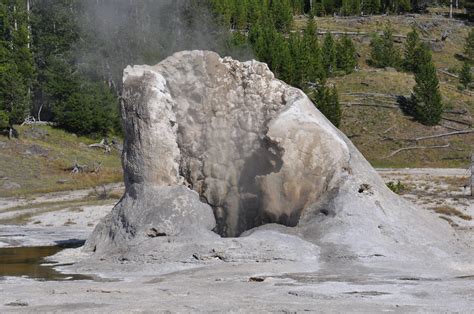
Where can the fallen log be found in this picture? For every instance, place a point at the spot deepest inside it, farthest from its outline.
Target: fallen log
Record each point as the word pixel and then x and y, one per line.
pixel 448 73
pixel 417 139
pixel 416 147
pixel 458 121
pixel 460 112
pixel 371 94
pixel 449 127
pixel 349 104
pixel 102 145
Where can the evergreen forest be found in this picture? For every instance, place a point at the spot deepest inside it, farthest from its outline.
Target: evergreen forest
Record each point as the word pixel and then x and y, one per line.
pixel 61 61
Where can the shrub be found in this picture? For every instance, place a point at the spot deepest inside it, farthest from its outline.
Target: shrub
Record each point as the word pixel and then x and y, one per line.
pixel 397 188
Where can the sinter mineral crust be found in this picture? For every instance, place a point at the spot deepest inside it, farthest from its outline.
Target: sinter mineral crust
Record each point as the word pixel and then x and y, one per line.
pixel 216 146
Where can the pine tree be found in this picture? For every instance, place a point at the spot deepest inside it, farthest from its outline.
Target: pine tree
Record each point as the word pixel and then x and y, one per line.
pixel 313 67
pixel 411 46
pixel 426 99
pixel 299 59
pixel 371 6
pixel 89 109
pixel 327 101
pixel 469 46
pixel 469 5
pixel 384 53
pixel 16 63
pixel 346 55
pixel 329 6
pixel 282 14
pixel 346 8
pixel 281 61
pixel 465 76
pixel 4 120
pixel 329 54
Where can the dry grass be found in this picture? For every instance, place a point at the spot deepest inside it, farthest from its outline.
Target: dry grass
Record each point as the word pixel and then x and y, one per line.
pixel 450 211
pixel 449 220
pixel 48 172
pixel 367 125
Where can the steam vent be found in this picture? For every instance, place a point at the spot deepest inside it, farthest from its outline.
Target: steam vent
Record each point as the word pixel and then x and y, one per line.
pixel 217 149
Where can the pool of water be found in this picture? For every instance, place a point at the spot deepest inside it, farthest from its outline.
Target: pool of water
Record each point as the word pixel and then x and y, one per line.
pixel 30 262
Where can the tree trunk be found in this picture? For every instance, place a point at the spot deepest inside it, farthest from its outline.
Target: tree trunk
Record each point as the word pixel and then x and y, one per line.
pixel 472 174
pixel 28 22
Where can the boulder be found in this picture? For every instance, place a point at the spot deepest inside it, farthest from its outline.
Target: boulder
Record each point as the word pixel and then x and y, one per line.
pixel 214 137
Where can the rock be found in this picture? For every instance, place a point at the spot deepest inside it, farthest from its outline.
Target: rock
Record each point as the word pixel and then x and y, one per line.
pixel 3 145
pixel 36 132
pixel 17 303
pixel 256 151
pixel 10 185
pixel 437 46
pixel 36 150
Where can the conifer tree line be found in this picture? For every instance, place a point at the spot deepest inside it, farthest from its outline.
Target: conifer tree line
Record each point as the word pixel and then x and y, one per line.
pixel 243 12
pixel 299 59
pixel 16 62
pixel 39 71
pixel 62 60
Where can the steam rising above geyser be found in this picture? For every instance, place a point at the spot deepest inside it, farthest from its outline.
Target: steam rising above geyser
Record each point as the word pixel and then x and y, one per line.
pixel 147 31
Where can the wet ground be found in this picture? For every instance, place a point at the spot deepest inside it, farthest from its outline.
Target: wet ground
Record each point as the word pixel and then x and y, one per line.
pixel 29 262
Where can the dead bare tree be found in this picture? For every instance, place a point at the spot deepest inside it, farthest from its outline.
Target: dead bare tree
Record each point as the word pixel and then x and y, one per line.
pixel 97 167
pixel 103 145
pixel 78 168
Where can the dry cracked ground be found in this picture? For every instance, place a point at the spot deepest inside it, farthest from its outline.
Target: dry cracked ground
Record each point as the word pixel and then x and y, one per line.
pixel 338 283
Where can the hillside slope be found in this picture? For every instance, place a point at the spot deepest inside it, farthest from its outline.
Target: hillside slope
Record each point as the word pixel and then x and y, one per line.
pixel 40 161
pixel 369 96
